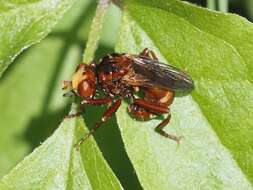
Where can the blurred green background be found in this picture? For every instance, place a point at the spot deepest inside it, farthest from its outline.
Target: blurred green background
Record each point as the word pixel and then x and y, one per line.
pixel 31 99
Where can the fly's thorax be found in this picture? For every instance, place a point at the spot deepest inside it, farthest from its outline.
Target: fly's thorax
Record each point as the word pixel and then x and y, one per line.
pixel 113 85
pixel 110 72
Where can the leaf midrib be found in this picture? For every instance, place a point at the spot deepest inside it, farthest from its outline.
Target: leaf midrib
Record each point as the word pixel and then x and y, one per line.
pixel 193 97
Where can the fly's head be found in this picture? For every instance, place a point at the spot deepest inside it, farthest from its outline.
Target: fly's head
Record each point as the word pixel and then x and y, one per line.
pixel 83 81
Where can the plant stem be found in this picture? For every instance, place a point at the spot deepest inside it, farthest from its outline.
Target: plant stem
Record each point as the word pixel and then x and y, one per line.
pixel 219 5
pixel 95 31
pixel 223 5
pixel 211 4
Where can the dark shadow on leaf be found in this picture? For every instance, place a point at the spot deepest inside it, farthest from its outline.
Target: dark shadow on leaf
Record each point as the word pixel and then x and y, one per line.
pixel 108 137
pixel 111 144
pixel 41 127
pixel 53 119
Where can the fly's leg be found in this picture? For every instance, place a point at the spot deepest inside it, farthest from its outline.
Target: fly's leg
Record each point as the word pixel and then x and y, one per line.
pixel 158 109
pixel 106 116
pixel 138 112
pixel 152 107
pixel 101 101
pixel 159 129
pixel 149 53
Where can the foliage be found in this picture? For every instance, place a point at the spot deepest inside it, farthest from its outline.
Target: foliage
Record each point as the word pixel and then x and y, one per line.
pixel 24 23
pixel 56 165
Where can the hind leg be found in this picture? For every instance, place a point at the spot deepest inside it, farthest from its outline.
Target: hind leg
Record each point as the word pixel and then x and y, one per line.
pixel 159 129
pixel 106 116
pixel 146 110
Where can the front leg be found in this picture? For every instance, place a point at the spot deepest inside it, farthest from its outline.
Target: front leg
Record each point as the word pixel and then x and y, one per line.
pixel 101 101
pixel 106 116
pixel 149 53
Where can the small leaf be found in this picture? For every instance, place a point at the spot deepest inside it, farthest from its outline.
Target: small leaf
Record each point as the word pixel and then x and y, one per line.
pixel 216 50
pixel 30 89
pixel 24 23
pixel 57 165
pixel 33 102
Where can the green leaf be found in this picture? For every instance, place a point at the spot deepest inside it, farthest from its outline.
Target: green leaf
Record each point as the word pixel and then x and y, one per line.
pixel 216 122
pixel 33 105
pixel 30 89
pixel 57 165
pixel 24 23
pixel 31 95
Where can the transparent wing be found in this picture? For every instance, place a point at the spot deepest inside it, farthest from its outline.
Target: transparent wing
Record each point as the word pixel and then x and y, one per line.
pixel 150 73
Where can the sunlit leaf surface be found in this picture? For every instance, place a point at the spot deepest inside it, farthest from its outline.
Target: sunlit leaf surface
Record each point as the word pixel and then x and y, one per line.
pixel 216 121
pixel 24 23
pixel 57 165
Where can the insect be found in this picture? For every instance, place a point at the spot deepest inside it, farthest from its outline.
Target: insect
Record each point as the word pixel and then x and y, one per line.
pixel 122 75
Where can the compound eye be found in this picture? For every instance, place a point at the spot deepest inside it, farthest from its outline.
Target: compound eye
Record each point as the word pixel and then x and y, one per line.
pixel 81 66
pixel 86 89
